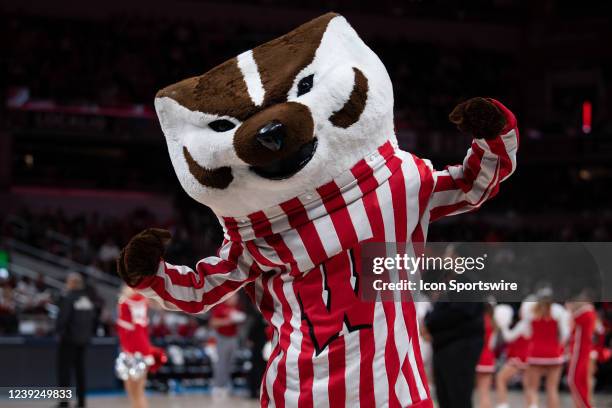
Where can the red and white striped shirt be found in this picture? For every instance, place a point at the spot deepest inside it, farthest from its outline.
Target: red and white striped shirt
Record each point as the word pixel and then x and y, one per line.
pixel 300 263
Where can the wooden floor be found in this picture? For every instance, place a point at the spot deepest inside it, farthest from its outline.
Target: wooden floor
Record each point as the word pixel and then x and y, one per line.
pixel 203 400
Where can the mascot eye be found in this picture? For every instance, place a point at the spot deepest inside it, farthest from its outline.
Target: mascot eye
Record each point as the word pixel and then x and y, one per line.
pixel 305 85
pixel 221 125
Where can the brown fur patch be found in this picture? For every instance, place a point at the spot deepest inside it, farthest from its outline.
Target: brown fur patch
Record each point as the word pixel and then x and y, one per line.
pixel 216 178
pixel 353 108
pixel 478 117
pixel 299 128
pixel 280 60
pixel 220 91
pixel 142 254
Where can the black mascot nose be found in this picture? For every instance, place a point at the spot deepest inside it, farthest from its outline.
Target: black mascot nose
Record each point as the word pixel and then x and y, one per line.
pixel 272 135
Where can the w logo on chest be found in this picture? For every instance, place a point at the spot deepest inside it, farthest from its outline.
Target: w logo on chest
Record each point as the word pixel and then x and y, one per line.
pixel 329 300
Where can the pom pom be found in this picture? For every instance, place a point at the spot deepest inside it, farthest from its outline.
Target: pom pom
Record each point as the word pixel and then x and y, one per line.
pixel 502 315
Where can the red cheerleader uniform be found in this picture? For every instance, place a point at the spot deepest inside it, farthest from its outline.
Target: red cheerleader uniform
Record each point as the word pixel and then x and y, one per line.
pixel 132 329
pixel 545 347
pixel 517 352
pixel 580 350
pixel 486 364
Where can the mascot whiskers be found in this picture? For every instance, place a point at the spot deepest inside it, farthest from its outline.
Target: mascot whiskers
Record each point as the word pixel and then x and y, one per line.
pixel 292 145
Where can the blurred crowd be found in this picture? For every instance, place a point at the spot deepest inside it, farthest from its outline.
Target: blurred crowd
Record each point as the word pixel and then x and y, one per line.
pixel 95 240
pixel 47 55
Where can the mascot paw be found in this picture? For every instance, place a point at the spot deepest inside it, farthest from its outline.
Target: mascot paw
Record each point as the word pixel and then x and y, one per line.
pixel 478 117
pixel 142 254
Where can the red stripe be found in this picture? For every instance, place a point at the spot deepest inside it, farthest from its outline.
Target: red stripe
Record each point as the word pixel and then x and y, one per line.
pixel 498 148
pixel 366 375
pixel 397 186
pixel 471 168
pixel 231 227
pixel 409 376
pixel 190 279
pixel 266 306
pixel 367 184
pixel 259 257
pixel 306 229
pixel 336 207
pixel 280 383
pixel 510 119
pixel 445 182
pixel 305 369
pixel 337 386
pixel 425 191
pixel 366 353
pixel 264 229
pixel 210 298
pixel 375 216
pixel 391 357
pixel 370 202
pixel 410 320
pixel 386 150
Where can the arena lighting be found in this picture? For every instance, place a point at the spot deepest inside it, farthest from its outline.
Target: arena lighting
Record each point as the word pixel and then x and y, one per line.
pixel 587 113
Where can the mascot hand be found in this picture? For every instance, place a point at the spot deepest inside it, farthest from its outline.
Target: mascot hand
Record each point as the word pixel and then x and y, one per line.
pixel 478 117
pixel 142 254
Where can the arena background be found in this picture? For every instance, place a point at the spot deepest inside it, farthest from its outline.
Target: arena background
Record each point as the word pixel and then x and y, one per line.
pixel 84 166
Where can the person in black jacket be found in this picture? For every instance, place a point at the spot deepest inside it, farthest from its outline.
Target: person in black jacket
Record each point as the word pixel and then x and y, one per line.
pixel 456 328
pixel 75 325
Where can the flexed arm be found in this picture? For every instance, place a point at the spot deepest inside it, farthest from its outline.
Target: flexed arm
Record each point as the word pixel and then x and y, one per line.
pixel 215 278
pixel 490 160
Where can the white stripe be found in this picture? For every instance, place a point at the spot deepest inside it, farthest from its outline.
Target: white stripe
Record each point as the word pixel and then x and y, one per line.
pixel 298 249
pixel 359 219
pixel 292 390
pixel 402 345
pixel 402 391
pixel 379 368
pixel 251 76
pixel 327 235
pixel 415 370
pixel 510 143
pixel 352 368
pixel 276 321
pixel 320 367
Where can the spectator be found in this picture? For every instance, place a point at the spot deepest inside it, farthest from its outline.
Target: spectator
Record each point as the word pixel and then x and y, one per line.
pixel 108 254
pixel 75 326
pixel 225 320
pixel 8 317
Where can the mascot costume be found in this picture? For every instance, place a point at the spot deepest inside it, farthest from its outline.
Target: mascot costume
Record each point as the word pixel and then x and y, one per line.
pixel 292 145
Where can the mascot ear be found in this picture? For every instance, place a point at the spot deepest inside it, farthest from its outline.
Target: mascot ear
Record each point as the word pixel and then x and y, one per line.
pixel 353 108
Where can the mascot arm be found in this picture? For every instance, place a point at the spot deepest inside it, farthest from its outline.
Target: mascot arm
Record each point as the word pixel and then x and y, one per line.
pixel 490 160
pixel 179 287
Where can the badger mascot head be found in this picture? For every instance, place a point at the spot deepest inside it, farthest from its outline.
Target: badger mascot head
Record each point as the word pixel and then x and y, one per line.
pixel 282 118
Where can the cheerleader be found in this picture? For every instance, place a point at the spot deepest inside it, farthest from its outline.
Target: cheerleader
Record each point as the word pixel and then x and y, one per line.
pixel 516 349
pixel 486 364
pixel 548 330
pixel 581 346
pixel 138 355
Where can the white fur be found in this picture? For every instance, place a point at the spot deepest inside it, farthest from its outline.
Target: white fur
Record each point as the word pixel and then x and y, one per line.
pixel 338 149
pixel 249 70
